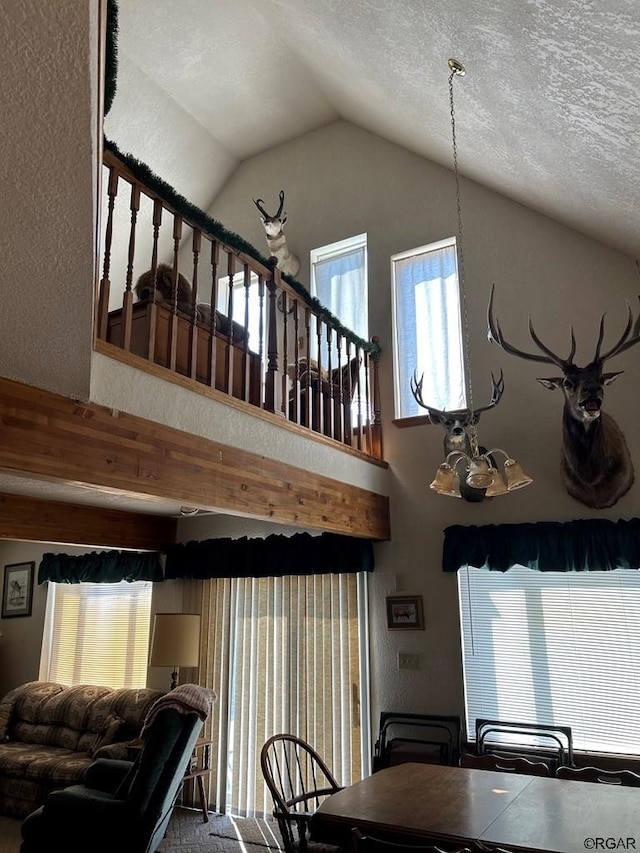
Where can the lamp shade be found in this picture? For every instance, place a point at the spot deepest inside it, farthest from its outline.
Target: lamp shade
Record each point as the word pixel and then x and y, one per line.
pixel 175 640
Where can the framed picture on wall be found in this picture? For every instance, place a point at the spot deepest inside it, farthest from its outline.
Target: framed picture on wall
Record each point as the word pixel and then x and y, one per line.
pixel 405 613
pixel 17 591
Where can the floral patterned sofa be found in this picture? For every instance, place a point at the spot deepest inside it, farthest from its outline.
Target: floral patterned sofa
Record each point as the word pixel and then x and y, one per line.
pixel 50 733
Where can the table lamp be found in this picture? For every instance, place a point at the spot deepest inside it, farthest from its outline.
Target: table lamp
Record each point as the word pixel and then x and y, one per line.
pixel 175 642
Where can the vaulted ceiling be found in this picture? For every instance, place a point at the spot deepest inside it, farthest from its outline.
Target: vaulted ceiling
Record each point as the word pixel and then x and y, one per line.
pixel 548 113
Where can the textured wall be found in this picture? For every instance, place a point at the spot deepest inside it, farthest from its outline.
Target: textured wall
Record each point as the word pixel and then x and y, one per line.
pixel 47 178
pixel 342 181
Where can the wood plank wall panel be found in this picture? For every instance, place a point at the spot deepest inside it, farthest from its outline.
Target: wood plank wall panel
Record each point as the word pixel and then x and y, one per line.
pixel 50 436
pixel 25 519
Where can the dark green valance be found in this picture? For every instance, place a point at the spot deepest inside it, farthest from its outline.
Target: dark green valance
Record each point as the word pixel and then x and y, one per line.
pixel 585 545
pixel 274 556
pixel 103 567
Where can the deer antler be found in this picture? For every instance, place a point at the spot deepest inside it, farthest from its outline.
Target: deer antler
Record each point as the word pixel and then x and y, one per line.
pixel 494 333
pixel 497 389
pixel 259 204
pixel 629 337
pixel 416 390
pixel 281 204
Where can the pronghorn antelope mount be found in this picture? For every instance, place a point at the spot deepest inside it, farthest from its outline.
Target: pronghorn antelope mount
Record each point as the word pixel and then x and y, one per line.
pixel 276 241
pixel 595 461
pixel 457 425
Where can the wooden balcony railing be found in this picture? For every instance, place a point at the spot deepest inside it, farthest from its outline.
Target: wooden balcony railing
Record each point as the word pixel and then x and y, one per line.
pixel 177 294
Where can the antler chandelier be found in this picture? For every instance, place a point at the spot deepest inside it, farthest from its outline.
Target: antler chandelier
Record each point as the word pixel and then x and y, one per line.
pixel 469 470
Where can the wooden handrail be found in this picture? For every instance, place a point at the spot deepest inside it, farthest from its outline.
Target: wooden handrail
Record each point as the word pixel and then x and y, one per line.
pixel 259 340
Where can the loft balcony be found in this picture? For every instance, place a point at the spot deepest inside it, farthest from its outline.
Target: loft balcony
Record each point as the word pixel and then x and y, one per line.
pixel 181 297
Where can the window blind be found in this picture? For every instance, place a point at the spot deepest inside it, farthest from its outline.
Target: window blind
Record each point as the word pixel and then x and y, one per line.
pixel 554 647
pixel 284 655
pixel 97 634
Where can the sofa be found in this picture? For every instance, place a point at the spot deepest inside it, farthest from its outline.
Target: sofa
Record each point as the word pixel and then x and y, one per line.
pixel 50 733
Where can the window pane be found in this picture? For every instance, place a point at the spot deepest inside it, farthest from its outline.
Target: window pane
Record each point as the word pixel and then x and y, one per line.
pixel 554 647
pixel 427 329
pixel 340 285
pixel 97 633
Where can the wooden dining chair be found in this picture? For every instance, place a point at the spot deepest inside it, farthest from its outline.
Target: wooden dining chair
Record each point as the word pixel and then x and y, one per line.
pixel 505 764
pixel 369 844
pixel 605 777
pixel 298 780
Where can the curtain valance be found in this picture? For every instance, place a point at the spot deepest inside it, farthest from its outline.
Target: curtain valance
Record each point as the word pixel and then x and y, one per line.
pixel 273 556
pixel 548 546
pixel 100 567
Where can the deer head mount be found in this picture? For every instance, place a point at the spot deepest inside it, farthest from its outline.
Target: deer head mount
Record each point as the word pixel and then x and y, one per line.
pixel 458 425
pixel 287 262
pixel 595 462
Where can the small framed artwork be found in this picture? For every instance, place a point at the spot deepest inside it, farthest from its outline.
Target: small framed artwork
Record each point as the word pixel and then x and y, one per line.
pixel 405 613
pixel 17 592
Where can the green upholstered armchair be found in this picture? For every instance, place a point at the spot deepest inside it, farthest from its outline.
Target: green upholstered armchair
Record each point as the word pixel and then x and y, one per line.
pixel 121 805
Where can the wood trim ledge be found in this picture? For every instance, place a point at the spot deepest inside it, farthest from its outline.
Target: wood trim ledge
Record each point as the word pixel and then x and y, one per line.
pixel 48 436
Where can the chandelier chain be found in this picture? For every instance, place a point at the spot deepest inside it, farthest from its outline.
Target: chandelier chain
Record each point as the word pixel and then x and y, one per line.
pixel 463 294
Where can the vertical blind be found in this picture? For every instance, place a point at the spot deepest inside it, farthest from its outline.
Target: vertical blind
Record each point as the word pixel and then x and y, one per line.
pixel 283 655
pixel 554 647
pixel 97 633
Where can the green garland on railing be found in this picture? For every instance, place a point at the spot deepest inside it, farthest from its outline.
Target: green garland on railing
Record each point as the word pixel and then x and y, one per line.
pixel 202 220
pixel 189 211
pixel 111 55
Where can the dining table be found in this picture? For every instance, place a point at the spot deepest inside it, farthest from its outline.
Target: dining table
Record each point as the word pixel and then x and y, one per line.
pixel 418 803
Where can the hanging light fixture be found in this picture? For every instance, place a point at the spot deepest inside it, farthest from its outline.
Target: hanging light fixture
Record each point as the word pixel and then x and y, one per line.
pixel 476 467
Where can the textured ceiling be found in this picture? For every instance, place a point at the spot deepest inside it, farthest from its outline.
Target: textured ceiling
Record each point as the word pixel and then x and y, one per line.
pixel 548 113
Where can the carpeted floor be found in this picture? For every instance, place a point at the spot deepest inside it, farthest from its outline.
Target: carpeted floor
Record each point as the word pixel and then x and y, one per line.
pixel 188 833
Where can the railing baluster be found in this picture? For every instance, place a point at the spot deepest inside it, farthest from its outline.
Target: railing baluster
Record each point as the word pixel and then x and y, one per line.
pixel 367 400
pixel 173 319
pixel 228 360
pixel 359 397
pixel 329 413
pixel 246 373
pixel 127 301
pixel 105 283
pixel 294 384
pixel 318 426
pixel 348 395
pixel 153 307
pixel 196 244
pixel 272 341
pixel 308 406
pixel 213 348
pixel 377 449
pixel 338 393
pixel 283 304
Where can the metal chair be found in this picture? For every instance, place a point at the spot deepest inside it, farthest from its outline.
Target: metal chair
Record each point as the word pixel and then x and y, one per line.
pixel 368 844
pixel 505 764
pixel 535 741
pixel 299 780
pixel 605 777
pixel 428 738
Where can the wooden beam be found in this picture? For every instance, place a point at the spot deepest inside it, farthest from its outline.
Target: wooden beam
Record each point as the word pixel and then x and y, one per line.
pixel 25 519
pixel 52 437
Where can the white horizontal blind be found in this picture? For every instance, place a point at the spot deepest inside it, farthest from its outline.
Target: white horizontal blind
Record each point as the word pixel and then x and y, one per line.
pixel 97 633
pixel 427 328
pixel 554 647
